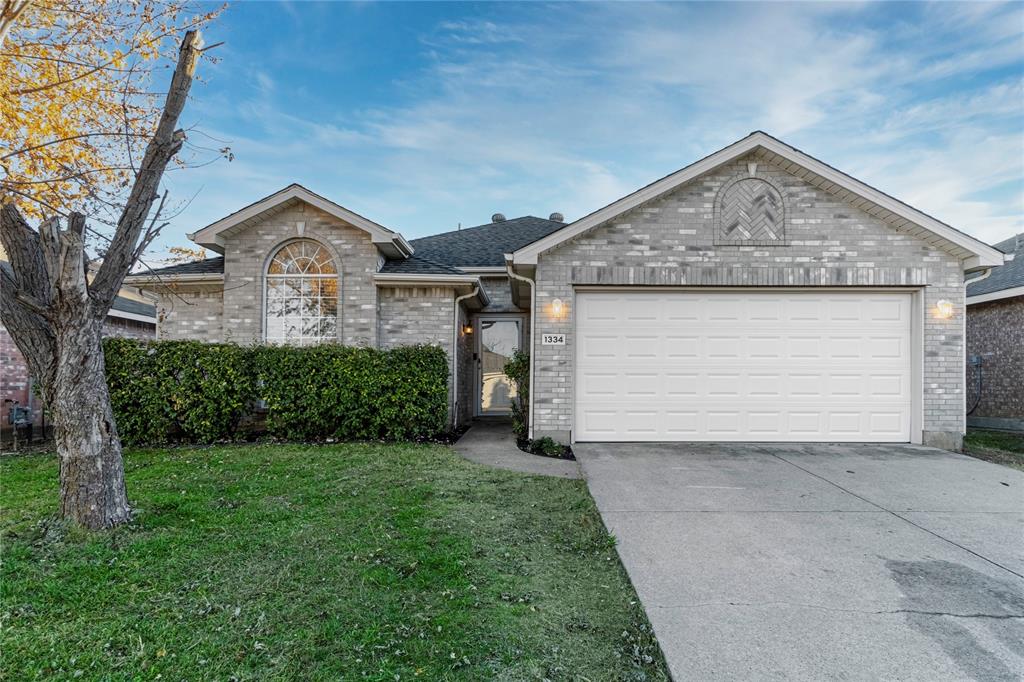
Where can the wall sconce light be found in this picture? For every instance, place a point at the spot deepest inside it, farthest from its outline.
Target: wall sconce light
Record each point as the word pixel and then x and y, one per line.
pixel 467 330
pixel 944 309
pixel 557 308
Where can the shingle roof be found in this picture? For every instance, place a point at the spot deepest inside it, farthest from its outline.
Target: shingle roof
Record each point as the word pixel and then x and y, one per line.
pixel 414 265
pixel 210 266
pixel 127 305
pixel 483 245
pixel 1005 276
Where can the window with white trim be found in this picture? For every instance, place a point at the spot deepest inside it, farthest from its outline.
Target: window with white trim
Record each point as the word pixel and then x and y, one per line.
pixel 301 295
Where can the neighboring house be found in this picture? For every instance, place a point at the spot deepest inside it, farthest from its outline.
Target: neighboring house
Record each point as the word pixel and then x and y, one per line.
pixel 757 294
pixel 131 315
pixel 995 343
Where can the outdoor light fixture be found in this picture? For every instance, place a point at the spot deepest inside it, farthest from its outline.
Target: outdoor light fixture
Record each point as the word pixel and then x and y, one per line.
pixel 557 308
pixel 468 329
pixel 944 309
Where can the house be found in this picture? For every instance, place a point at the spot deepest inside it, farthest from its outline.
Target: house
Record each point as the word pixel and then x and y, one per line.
pixel 755 295
pixel 131 315
pixel 995 343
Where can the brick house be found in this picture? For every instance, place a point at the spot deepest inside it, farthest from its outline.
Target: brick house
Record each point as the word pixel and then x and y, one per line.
pixel 995 343
pixel 757 294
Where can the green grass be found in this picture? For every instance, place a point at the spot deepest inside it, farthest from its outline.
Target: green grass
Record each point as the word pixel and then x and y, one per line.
pixel 1001 447
pixel 355 562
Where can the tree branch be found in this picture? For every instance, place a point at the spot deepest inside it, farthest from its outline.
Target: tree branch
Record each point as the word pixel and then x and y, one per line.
pixel 30 330
pixel 64 139
pixel 9 13
pixel 166 142
pixel 25 253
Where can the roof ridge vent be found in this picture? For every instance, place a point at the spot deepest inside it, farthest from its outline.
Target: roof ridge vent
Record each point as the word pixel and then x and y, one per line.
pixel 557 217
pixel 498 218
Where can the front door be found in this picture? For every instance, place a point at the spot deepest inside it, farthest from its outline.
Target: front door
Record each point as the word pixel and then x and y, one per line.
pixel 499 337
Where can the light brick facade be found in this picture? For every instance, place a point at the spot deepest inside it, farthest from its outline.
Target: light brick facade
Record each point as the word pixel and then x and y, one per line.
pixel 670 241
pixel 190 313
pixel 828 231
pixel 413 315
pixel 247 252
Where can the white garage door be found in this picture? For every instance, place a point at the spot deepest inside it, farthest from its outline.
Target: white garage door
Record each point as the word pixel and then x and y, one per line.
pixel 743 366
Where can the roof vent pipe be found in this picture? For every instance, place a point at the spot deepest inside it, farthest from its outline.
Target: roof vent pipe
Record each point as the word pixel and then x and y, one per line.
pixel 557 217
pixel 498 218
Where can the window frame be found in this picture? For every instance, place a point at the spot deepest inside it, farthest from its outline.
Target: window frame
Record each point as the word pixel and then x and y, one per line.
pixel 268 278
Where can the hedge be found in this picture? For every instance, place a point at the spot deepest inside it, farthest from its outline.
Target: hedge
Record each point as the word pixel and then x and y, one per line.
pixel 202 393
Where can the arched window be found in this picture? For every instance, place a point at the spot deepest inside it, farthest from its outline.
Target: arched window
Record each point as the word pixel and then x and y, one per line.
pixel 302 295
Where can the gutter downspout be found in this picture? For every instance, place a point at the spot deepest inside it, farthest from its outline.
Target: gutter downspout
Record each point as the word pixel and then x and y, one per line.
pixel 988 271
pixel 533 333
pixel 455 356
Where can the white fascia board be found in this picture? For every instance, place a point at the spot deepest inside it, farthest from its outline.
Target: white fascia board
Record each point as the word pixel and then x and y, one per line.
pixel 985 254
pixel 387 278
pixel 210 235
pixel 131 316
pixel 485 270
pixel 143 280
pixel 996 295
pixel 412 280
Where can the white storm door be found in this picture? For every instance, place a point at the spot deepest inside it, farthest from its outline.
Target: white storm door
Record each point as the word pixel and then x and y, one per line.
pixel 743 366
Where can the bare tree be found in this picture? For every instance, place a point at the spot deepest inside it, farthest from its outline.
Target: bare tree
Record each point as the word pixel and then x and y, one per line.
pixel 55 315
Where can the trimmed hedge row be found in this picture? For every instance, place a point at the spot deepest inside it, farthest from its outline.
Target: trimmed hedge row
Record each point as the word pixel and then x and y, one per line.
pixel 202 393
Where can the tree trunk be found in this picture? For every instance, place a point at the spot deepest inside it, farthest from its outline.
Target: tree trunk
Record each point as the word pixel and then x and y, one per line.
pixel 92 490
pixel 55 315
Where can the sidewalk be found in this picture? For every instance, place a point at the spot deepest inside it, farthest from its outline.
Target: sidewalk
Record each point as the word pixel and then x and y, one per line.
pixel 490 442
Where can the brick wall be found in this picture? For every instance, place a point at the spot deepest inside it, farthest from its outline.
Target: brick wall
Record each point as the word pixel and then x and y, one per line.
pixel 670 241
pixel 411 315
pixel 131 329
pixel 995 331
pixel 246 255
pixel 191 313
pixel 467 394
pixel 500 294
pixel 15 383
pixel 14 379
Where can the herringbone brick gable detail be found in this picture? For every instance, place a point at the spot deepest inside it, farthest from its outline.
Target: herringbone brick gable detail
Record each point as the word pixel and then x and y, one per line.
pixel 750 210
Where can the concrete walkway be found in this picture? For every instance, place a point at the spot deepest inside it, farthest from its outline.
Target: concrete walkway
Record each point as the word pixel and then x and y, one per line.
pixel 819 562
pixel 491 442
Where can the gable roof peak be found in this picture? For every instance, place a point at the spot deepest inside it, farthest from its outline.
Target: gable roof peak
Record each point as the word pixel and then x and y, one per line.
pixel 390 242
pixel 973 253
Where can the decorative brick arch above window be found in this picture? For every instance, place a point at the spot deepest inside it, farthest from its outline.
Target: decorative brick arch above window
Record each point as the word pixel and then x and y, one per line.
pixel 750 211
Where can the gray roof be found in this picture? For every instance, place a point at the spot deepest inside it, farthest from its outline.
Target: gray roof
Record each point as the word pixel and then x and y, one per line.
pixel 210 266
pixel 484 245
pixel 439 254
pixel 415 265
pixel 1006 276
pixel 127 305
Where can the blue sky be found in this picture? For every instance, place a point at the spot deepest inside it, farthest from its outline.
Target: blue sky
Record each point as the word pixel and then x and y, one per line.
pixel 422 116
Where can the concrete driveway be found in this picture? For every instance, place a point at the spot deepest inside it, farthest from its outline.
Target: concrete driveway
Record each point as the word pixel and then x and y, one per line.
pixel 860 562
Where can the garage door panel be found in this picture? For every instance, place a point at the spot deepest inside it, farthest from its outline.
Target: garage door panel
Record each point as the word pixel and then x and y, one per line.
pixel 721 422
pixel 772 367
pixel 614 384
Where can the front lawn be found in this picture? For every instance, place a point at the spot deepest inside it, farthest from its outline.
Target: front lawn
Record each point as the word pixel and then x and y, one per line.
pixel 356 561
pixel 1001 447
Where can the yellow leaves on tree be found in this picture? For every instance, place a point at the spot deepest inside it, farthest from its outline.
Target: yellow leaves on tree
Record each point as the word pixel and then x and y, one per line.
pixel 75 103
